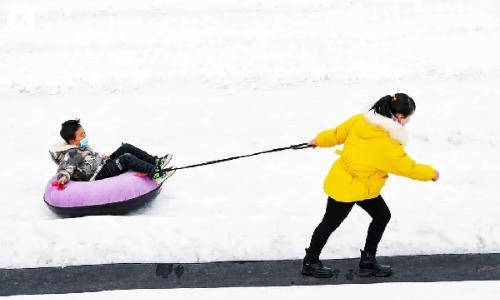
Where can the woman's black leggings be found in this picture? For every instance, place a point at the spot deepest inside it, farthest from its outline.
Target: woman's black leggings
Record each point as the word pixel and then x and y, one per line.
pixel 335 214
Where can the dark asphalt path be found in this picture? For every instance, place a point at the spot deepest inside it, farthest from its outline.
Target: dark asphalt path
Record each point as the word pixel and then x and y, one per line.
pixel 76 279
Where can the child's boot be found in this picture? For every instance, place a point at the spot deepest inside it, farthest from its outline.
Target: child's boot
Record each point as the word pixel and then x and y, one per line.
pixel 163 161
pixel 160 176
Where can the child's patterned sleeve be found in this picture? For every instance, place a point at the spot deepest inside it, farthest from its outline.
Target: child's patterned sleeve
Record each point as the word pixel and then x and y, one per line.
pixel 66 168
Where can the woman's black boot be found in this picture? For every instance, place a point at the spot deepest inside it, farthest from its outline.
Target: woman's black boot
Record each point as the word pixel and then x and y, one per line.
pixel 314 267
pixel 368 266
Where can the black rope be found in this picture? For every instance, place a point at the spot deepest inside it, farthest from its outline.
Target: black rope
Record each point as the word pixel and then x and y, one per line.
pixel 292 147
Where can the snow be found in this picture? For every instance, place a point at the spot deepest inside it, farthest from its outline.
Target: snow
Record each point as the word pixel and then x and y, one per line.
pixel 484 290
pixel 211 79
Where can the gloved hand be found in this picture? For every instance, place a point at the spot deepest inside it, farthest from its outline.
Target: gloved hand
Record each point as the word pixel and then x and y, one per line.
pixel 59 184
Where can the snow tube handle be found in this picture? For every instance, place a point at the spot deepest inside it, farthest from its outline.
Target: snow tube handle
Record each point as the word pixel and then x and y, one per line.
pixel 58 185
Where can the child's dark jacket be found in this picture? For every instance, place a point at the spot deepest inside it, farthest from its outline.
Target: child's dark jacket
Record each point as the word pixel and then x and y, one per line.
pixel 80 164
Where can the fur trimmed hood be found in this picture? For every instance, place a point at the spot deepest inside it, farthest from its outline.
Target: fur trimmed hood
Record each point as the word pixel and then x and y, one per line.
pixel 58 150
pixel 395 130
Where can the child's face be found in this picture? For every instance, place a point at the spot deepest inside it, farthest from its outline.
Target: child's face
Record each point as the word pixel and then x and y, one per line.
pixel 79 136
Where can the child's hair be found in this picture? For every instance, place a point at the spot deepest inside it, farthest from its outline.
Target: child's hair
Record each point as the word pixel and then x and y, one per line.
pixel 69 128
pixel 389 106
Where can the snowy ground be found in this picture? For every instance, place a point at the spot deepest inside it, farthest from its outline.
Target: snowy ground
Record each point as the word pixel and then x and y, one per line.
pixel 484 290
pixel 210 79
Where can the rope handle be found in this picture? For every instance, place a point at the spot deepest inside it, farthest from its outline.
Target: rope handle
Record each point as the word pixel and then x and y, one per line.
pixel 301 146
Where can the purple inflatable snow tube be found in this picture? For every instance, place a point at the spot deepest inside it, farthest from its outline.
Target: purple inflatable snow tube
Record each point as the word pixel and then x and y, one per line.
pixel 114 195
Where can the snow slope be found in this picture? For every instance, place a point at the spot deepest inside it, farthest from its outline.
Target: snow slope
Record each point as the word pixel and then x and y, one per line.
pixel 210 79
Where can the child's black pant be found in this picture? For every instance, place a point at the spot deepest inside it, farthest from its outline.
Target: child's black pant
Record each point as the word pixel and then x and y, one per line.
pixel 127 157
pixel 335 214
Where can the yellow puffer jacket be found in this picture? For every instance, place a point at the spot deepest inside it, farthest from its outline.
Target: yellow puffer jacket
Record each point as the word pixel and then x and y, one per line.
pixel 373 147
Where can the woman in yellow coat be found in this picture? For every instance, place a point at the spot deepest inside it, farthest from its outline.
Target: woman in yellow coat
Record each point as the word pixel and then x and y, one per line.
pixel 373 147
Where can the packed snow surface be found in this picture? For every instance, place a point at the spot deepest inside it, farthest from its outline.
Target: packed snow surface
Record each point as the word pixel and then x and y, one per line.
pixel 484 290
